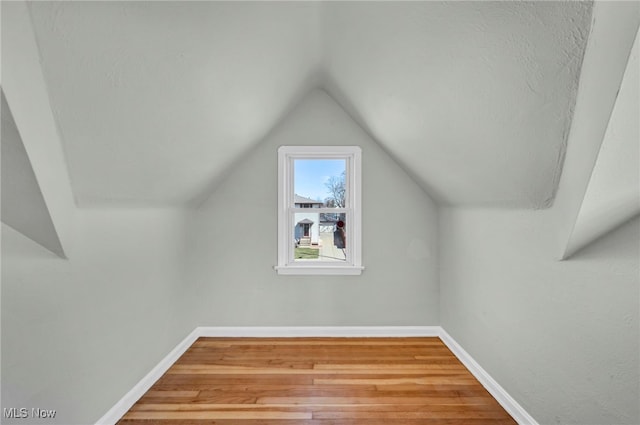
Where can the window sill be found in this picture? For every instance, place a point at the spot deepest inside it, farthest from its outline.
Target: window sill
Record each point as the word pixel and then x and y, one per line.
pixel 319 270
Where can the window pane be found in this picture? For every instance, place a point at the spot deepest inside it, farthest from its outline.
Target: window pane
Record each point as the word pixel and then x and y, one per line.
pixel 319 183
pixel 320 237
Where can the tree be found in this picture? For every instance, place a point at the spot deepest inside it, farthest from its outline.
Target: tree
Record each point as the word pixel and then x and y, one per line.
pixel 336 190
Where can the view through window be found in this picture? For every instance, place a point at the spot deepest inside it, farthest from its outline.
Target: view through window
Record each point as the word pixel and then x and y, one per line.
pixel 319 184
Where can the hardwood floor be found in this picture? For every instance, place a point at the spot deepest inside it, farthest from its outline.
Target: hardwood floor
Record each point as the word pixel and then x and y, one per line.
pixel 317 381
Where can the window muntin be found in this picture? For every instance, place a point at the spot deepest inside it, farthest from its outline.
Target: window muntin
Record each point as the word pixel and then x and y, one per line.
pixel 325 182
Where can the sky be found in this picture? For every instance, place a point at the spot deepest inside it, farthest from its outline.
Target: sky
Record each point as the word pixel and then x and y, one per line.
pixel 312 174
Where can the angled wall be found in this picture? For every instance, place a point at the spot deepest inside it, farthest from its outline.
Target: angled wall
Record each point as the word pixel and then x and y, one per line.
pixel 26 94
pixel 613 31
pixel 78 334
pixel 560 336
pixel 23 206
pixel 613 194
pixel 233 240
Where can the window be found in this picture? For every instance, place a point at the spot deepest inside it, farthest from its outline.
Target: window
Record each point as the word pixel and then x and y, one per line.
pixel 319 216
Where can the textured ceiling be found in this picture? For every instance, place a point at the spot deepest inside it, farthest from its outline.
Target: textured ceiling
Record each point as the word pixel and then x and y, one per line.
pixel 155 101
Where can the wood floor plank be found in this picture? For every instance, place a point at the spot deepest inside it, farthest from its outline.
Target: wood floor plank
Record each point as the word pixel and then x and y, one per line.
pixel 317 381
pixel 214 369
pixel 449 380
pixel 240 414
pixel 386 366
pixel 395 401
pixel 172 394
pixel 320 405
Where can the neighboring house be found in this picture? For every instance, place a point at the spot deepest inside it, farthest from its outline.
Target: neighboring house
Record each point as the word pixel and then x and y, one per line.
pixel 307 231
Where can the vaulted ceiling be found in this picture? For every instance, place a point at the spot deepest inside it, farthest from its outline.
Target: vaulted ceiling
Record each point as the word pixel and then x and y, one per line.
pixel 155 101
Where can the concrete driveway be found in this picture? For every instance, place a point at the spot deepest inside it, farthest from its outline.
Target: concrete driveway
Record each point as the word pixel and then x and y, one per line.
pixel 328 251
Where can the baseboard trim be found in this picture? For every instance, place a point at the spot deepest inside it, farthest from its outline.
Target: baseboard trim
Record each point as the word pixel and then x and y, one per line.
pixel 506 401
pixel 320 331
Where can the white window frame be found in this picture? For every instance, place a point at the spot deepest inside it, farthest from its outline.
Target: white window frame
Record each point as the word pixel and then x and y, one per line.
pixel 286 210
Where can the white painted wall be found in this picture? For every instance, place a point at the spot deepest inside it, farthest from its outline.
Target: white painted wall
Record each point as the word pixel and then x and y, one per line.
pixel 560 336
pixel 77 334
pixel 613 194
pixel 23 206
pixel 233 240
pixel 27 95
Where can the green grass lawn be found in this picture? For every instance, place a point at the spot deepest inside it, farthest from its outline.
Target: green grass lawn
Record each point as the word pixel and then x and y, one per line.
pixel 306 253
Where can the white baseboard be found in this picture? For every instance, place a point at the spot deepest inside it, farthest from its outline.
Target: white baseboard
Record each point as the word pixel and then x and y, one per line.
pixel 320 331
pixel 506 401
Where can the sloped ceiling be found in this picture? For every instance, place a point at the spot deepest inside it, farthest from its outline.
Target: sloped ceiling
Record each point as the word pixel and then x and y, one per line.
pixel 155 101
pixel 616 176
pixel 613 194
pixel 23 206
